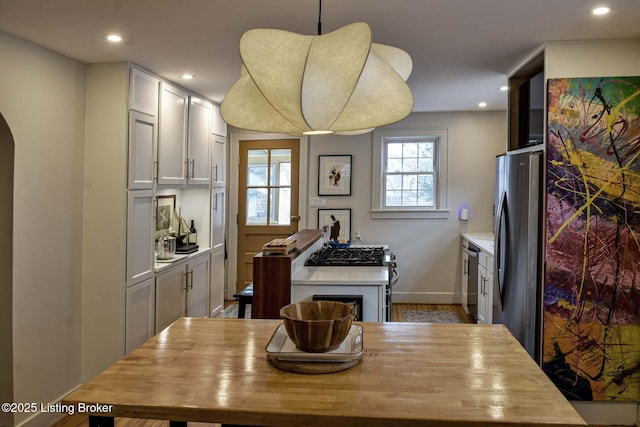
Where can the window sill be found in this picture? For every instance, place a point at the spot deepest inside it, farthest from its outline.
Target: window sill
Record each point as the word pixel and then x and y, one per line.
pixel 410 214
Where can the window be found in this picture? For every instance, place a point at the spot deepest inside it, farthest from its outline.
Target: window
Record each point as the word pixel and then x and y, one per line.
pixel 269 187
pixel 409 174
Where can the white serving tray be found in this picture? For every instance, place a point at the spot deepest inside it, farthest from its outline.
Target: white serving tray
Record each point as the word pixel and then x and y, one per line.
pixel 281 347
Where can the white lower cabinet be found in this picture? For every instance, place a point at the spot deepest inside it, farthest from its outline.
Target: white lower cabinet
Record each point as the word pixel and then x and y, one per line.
pixel 485 288
pixel 216 286
pixel 198 286
pixel 182 291
pixel 139 314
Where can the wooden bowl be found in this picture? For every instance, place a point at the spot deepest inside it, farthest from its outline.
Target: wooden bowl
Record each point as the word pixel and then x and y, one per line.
pixel 317 326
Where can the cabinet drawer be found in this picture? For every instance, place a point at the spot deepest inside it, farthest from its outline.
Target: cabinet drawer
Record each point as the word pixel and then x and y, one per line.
pixel 485 260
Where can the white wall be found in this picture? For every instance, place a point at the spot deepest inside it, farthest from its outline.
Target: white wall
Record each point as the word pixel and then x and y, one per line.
pixel 428 251
pixel 597 60
pixel 42 99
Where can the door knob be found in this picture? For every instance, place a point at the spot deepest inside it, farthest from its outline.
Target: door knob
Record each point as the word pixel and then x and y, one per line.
pixel 295 218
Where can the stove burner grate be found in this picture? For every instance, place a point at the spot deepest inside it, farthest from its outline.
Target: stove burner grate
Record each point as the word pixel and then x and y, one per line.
pixel 356 257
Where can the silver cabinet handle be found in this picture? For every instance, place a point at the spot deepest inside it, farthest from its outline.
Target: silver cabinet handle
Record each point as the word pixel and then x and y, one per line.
pixel 186 166
pixel 215 173
pixel 155 170
pixel 193 168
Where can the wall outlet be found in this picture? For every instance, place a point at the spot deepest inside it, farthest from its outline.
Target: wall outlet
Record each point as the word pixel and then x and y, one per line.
pixel 357 237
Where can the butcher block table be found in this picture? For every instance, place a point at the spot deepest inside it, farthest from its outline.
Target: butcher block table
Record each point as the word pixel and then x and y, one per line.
pixel 411 374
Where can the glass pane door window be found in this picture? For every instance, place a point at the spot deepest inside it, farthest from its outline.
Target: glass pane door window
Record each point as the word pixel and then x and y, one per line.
pixel 269 187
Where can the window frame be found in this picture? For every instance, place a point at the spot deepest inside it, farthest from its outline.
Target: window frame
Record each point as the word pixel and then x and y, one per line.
pixel 380 139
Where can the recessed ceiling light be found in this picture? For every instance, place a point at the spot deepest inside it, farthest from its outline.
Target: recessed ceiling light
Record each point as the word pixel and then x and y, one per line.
pixel 114 38
pixel 504 88
pixel 187 76
pixel 482 104
pixel 601 10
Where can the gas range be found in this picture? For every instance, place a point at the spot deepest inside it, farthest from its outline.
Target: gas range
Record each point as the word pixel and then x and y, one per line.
pixel 358 263
pixel 358 256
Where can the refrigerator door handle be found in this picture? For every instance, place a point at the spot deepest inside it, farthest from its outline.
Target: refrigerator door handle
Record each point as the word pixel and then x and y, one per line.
pixel 501 252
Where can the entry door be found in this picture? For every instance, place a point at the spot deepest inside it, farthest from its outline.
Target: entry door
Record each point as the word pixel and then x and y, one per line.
pixel 267 198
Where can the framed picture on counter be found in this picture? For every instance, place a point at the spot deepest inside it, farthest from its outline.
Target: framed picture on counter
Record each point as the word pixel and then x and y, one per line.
pixel 164 214
pixel 334 175
pixel 339 222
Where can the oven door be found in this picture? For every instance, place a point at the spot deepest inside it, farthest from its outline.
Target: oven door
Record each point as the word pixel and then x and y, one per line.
pixel 394 275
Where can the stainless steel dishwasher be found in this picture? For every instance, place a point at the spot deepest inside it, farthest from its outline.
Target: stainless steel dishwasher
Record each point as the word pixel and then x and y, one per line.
pixel 472 280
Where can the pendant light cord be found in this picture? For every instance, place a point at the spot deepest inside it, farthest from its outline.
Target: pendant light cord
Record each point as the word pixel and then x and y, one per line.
pixel 320 17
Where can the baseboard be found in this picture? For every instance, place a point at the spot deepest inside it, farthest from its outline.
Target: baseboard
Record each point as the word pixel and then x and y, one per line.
pixel 38 419
pixel 426 297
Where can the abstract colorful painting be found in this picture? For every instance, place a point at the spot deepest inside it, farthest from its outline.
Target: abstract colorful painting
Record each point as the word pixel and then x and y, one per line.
pixel 591 337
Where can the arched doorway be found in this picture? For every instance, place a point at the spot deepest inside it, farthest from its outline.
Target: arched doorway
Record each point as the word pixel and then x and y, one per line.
pixel 6 263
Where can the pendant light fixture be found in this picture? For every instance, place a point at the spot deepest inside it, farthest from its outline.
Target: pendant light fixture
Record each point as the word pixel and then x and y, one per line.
pixel 338 82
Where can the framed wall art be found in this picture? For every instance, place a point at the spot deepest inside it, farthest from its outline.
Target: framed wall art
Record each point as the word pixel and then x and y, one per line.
pixel 338 221
pixel 164 214
pixel 334 175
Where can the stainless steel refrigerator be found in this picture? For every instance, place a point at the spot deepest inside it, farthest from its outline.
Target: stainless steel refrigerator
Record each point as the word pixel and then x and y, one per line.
pixel 517 285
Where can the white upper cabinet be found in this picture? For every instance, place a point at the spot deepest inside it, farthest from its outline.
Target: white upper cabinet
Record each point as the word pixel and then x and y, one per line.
pixel 217 218
pixel 143 92
pixel 218 170
pixel 143 142
pixel 198 151
pixel 172 135
pixel 140 236
pixel 218 126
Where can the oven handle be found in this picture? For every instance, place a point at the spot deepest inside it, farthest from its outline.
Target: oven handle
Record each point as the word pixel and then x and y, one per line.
pixel 395 275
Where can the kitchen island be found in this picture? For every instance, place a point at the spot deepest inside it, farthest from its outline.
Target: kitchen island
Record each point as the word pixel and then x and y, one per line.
pixel 411 374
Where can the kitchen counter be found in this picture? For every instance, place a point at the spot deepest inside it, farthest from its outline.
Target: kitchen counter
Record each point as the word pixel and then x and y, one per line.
pixel 177 259
pixel 482 240
pixel 341 276
pixel 411 374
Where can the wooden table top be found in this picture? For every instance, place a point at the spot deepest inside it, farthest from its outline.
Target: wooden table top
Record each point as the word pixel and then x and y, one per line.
pixel 411 374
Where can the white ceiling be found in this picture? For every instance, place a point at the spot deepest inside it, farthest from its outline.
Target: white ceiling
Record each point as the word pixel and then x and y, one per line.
pixel 462 50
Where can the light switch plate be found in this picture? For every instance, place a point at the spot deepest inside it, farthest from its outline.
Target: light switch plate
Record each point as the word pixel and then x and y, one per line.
pixel 317 202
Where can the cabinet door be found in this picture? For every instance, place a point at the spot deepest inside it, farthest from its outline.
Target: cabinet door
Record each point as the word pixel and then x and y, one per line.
pixel 143 138
pixel 482 306
pixel 143 92
pixel 198 287
pixel 218 126
pixel 172 135
pixel 216 286
pixel 170 296
pixel 217 218
pixel 219 160
pixel 198 151
pixel 488 297
pixel 140 236
pixel 140 312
